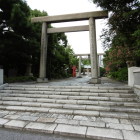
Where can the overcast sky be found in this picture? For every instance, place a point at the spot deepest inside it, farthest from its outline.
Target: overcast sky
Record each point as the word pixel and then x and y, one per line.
pixel 79 41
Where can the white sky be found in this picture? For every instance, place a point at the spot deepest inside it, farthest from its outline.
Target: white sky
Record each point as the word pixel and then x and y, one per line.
pixel 79 41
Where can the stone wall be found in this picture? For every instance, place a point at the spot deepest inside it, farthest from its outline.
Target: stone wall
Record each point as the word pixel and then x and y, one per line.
pixel 133 76
pixel 136 76
pixel 134 79
pixel 137 90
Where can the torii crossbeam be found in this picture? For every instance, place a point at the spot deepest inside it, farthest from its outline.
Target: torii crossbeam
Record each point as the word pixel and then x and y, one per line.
pixel 91 16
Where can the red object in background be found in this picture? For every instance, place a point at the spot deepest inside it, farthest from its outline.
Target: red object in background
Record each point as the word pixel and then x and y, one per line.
pixel 74 71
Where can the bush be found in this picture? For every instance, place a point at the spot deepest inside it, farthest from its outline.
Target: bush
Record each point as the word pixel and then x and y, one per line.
pixel 102 71
pixel 19 79
pixel 121 74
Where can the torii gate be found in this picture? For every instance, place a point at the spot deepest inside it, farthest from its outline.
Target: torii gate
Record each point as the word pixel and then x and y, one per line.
pixel 91 16
pixel 98 59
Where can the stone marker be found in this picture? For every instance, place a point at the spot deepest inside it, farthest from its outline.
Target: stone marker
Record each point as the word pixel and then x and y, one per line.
pixel 1 76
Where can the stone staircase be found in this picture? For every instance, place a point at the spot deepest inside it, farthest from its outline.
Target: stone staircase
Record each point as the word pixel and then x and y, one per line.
pixel 91 112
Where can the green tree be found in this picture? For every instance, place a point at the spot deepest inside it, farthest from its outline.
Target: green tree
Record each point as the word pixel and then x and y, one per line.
pixel 121 39
pixel 20 42
pixel 86 61
pixel 14 33
pixel 123 23
pixel 60 56
pixel 72 59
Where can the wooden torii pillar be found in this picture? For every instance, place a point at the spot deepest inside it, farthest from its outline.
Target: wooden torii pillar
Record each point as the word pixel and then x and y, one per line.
pixel 91 16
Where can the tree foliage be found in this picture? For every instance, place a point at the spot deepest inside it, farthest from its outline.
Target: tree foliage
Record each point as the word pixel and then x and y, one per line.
pixel 122 38
pixel 14 33
pixel 86 61
pixel 20 42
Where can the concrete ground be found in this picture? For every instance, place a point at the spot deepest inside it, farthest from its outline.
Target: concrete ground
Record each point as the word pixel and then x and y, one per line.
pixel 10 134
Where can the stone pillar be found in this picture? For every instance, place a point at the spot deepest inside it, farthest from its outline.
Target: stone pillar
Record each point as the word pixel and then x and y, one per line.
pixel 87 71
pixel 1 76
pixel 43 55
pixel 29 70
pixel 93 52
pixel 99 60
pixel 79 74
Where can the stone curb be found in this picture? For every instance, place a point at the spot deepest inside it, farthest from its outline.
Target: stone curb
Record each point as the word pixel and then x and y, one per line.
pixel 71 130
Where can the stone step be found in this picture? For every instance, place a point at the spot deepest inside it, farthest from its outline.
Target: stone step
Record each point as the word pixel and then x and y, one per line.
pixel 72 106
pixel 98 106
pixel 51 117
pixel 75 121
pixel 81 97
pixel 70 89
pixel 69 106
pixel 118 115
pixel 93 112
pixel 66 129
pixel 63 92
pixel 95 123
pixel 67 119
pixel 47 94
pixel 99 97
pixel 81 126
pixel 73 100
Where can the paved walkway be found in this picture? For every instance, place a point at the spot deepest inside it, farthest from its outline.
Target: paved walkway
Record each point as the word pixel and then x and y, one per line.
pixel 74 81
